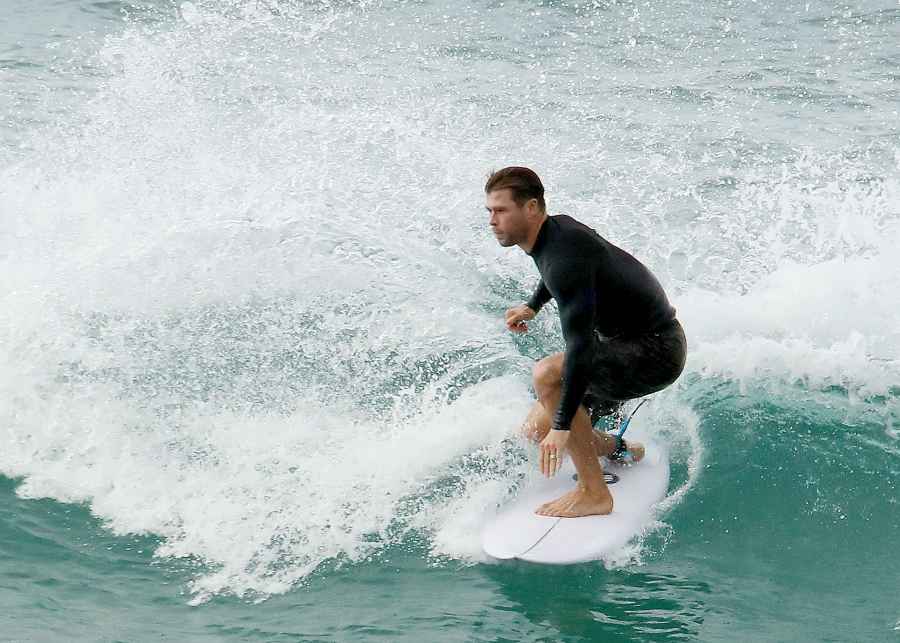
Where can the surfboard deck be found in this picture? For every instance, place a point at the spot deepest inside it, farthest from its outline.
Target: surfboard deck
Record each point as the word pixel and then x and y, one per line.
pixel 516 532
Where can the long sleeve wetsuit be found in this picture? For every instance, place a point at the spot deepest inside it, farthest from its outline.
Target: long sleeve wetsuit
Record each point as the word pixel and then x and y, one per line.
pixel 598 287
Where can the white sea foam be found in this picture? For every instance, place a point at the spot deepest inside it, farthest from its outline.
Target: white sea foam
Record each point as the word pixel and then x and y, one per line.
pixel 831 323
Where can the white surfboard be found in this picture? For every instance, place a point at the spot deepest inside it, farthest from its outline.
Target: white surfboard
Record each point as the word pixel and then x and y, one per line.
pixel 518 533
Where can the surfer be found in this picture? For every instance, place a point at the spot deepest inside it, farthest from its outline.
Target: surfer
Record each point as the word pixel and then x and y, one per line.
pixel 622 338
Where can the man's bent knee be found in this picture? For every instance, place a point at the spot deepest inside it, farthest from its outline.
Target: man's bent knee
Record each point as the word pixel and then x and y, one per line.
pixel 537 424
pixel 547 375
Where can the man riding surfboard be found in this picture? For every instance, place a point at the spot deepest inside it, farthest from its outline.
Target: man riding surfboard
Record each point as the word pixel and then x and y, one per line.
pixel 622 338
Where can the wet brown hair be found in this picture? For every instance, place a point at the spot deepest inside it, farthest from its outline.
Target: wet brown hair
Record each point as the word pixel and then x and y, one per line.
pixel 523 182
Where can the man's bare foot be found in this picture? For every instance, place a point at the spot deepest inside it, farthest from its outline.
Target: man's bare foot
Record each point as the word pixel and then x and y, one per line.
pixel 577 502
pixel 605 447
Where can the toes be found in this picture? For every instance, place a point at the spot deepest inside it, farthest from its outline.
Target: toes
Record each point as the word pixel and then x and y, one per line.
pixel 549 511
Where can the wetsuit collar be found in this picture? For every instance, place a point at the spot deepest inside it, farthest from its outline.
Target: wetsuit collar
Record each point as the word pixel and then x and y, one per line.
pixel 541 238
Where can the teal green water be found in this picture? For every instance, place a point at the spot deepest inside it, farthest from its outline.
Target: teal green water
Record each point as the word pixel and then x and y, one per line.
pixel 785 537
pixel 254 380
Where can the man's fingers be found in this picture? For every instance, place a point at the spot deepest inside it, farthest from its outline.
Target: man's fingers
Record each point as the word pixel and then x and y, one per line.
pixel 516 318
pixel 516 315
pixel 550 461
pixel 516 326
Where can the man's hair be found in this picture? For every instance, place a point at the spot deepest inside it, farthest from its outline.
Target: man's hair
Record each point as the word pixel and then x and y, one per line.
pixel 523 183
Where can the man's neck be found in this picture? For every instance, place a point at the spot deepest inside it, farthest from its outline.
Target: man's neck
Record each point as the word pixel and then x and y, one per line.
pixel 528 244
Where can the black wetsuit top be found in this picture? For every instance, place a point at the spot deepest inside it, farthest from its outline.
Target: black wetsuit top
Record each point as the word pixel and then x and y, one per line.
pixel 598 288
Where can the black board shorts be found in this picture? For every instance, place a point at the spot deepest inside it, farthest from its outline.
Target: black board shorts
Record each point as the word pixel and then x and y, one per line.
pixel 625 368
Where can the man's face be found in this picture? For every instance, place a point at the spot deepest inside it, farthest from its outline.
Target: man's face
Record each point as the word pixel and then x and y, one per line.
pixel 509 221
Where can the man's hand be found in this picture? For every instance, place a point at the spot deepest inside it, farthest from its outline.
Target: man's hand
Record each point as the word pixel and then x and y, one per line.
pixel 553 448
pixel 517 316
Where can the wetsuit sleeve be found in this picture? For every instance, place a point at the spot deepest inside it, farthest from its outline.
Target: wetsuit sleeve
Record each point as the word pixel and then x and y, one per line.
pixel 540 297
pixel 576 298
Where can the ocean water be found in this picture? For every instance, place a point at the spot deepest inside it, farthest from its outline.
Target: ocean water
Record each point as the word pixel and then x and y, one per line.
pixel 254 379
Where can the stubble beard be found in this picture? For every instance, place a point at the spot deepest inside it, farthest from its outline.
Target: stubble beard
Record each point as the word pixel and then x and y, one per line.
pixel 510 239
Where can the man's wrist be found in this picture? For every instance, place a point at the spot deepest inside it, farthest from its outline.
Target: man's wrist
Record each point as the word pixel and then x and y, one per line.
pixel 529 305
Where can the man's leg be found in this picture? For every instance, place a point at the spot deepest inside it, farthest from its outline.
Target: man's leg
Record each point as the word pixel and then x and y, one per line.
pixel 590 496
pixel 537 426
